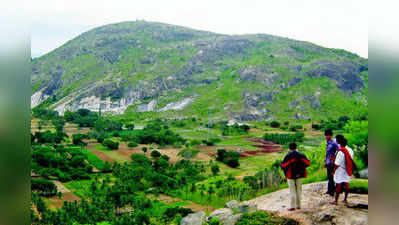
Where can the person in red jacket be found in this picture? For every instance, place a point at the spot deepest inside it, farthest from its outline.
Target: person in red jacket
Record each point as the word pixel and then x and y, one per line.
pixel 294 166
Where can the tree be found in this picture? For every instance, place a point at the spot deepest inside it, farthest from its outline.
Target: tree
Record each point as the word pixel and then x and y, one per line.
pixel 275 124
pixel 111 144
pixel 144 149
pixel 215 169
pixel 155 154
pixel 132 144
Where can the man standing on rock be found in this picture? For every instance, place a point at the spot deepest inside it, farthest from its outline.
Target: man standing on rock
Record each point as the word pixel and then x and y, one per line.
pixel 343 170
pixel 331 148
pixel 294 166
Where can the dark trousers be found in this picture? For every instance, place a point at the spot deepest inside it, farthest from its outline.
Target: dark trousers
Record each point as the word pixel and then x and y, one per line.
pixel 331 183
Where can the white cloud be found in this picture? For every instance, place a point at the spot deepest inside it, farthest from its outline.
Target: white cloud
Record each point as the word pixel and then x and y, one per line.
pixel 335 24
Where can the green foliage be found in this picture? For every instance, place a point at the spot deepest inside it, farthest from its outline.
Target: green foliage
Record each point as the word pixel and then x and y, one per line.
pixel 155 154
pixel 64 163
pixel 215 169
pixel 132 144
pixel 214 221
pixel 77 139
pixel 230 158
pixel 234 129
pixel 113 145
pixel 275 124
pixel 359 186
pixel 43 187
pixel 45 114
pixel 262 218
pixel 279 138
pixel 357 132
pixel 50 137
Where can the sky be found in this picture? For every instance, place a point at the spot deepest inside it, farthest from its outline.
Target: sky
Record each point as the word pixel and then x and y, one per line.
pixel 330 23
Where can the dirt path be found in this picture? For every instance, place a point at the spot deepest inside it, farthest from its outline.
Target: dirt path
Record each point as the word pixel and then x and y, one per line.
pixel 315 206
pixel 67 195
pixel 194 206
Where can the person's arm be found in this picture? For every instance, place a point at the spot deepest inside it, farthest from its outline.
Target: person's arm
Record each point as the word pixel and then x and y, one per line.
pixel 286 162
pixel 337 162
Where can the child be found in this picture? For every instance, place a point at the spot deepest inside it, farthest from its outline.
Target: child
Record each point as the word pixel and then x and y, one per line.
pixel 294 166
pixel 343 170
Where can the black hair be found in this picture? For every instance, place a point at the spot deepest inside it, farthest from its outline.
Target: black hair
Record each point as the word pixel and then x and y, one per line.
pixel 343 142
pixel 339 137
pixel 292 146
pixel 328 132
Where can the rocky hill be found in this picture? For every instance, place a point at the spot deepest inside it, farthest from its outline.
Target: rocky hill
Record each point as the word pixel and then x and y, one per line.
pixel 153 67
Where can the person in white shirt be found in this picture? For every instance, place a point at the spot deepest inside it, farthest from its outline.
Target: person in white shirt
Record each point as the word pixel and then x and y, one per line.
pixel 343 169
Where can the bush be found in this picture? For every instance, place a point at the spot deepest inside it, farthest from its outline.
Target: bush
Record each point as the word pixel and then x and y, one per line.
pixel 132 145
pixel 275 124
pixel 316 126
pixel 359 186
pixel 283 138
pixel 195 142
pixel 44 187
pixel 296 127
pixel 144 149
pixel 215 169
pixel 77 139
pixel 229 158
pixel 262 218
pixel 155 154
pixel 110 144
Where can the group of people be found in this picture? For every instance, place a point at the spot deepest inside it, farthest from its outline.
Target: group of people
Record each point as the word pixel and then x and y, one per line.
pixel 338 163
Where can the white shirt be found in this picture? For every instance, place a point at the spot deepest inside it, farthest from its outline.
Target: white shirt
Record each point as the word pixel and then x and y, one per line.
pixel 341 175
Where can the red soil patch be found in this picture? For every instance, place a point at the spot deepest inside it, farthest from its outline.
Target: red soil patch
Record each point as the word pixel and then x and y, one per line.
pixel 265 146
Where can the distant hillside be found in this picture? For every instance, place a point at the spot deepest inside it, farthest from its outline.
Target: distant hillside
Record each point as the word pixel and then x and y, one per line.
pixel 155 68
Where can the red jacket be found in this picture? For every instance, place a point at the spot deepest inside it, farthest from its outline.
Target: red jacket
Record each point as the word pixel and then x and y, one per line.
pixel 294 165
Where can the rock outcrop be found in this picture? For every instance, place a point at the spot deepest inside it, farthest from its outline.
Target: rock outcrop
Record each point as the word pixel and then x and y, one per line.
pixel 197 218
pixel 316 209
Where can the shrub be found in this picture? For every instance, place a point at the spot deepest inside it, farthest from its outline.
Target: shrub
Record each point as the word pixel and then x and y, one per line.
pixel 77 139
pixel 165 157
pixel 132 145
pixel 316 126
pixel 275 124
pixel 215 169
pixel 155 154
pixel 286 123
pixel 214 221
pixel 144 149
pixel 229 158
pixel 221 154
pixel 195 142
pixel 110 144
pixel 283 138
pixel 141 159
pixel 44 187
pixel 261 218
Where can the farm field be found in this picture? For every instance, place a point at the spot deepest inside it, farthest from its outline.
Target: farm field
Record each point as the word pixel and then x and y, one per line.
pixel 177 165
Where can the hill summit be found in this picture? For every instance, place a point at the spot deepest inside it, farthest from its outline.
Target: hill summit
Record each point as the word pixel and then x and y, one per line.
pixel 147 67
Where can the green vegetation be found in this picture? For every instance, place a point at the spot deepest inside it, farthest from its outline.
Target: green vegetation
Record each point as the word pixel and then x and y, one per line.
pixel 262 218
pixel 204 158
pixel 43 187
pixel 284 138
pixel 228 157
pixel 113 145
